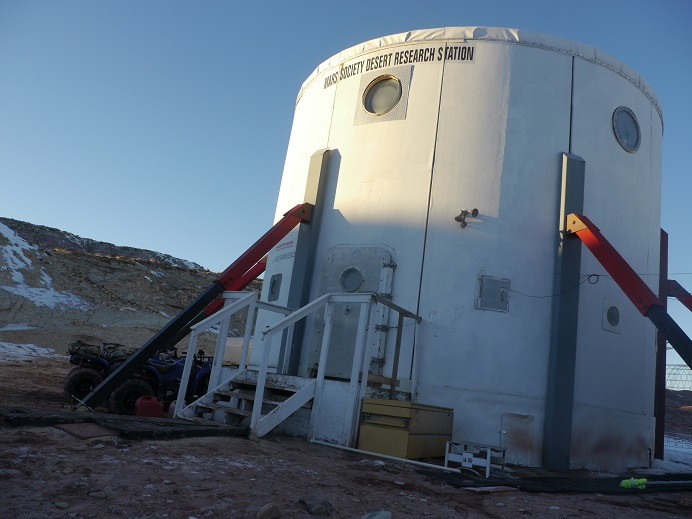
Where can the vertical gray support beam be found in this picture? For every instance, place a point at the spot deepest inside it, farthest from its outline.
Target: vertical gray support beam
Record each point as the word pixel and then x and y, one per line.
pixel 559 400
pixel 660 387
pixel 304 262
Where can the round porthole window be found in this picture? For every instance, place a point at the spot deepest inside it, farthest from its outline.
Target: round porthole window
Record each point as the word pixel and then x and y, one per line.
pixel 352 280
pixel 381 95
pixel 626 128
pixel 613 316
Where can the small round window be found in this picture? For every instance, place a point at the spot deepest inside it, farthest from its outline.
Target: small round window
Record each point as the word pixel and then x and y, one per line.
pixel 382 95
pixel 613 316
pixel 352 280
pixel 626 128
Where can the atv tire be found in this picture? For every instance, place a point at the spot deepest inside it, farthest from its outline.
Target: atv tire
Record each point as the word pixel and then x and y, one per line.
pixel 123 399
pixel 81 381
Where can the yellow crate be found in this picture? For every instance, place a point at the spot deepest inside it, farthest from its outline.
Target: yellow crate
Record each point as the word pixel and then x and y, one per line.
pixel 404 429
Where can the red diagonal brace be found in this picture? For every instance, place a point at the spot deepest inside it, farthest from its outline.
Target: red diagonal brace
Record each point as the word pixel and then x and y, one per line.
pixel 626 278
pixel 250 275
pixel 230 277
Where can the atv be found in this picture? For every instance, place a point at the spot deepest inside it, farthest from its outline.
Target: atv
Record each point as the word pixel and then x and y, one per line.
pixel 159 376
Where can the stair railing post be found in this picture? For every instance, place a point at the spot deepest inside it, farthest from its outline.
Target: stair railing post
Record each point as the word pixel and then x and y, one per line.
pixel 414 359
pixel 322 367
pixel 288 349
pixel 249 326
pixel 220 350
pixel 357 370
pixel 265 343
pixel 187 369
pixel 367 357
pixel 397 352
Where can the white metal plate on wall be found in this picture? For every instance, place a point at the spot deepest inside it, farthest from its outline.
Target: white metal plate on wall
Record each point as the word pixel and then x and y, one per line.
pixel 516 435
pixel 403 74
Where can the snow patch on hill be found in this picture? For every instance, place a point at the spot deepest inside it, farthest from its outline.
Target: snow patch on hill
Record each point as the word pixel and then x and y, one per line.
pixel 16 255
pixel 13 252
pixel 18 327
pixel 10 352
pixel 177 262
pixel 48 297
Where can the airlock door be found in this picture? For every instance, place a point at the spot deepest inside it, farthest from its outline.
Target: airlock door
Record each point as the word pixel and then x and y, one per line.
pixel 352 269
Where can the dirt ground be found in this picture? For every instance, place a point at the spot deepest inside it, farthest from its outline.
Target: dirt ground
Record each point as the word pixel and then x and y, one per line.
pixel 46 472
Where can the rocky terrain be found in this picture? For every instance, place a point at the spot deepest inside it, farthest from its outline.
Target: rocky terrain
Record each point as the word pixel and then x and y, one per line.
pixel 55 287
pixel 48 472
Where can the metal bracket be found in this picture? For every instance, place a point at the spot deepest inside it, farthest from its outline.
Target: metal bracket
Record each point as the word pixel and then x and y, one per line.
pixel 382 328
pixel 575 224
pixel 463 214
pixel 303 212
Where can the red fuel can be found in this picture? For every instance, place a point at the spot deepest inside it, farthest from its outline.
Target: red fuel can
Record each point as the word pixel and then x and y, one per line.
pixel 149 406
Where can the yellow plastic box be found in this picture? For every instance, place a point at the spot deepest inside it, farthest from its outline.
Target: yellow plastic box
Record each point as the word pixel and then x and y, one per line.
pixel 404 429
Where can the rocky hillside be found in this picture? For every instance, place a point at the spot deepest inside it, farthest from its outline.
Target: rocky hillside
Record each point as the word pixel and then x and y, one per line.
pixel 55 286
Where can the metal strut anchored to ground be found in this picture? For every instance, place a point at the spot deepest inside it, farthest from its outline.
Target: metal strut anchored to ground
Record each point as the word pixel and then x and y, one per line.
pixel 236 277
pixel 648 304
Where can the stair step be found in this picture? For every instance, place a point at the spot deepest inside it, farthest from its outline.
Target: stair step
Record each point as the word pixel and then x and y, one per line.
pixel 225 408
pixel 245 394
pixel 291 383
pixel 269 384
pixel 224 392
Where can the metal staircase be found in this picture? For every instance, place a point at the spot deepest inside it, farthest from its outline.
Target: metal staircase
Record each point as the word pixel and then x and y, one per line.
pixel 262 399
pixel 232 402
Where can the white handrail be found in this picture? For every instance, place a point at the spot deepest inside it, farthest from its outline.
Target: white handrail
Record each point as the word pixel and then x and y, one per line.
pixel 318 303
pixel 298 314
pixel 226 311
pixel 222 318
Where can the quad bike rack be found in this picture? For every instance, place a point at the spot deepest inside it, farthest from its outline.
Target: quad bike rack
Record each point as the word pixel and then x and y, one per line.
pixel 236 277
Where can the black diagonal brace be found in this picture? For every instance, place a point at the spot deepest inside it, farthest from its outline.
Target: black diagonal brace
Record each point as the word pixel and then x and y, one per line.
pixel 167 336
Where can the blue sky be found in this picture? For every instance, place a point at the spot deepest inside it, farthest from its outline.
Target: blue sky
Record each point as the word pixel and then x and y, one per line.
pixel 164 124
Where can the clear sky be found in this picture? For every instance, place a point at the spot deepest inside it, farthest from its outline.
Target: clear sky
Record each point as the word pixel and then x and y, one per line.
pixel 164 124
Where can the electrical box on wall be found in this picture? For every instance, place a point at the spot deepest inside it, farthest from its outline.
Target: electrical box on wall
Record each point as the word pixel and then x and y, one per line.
pixel 493 294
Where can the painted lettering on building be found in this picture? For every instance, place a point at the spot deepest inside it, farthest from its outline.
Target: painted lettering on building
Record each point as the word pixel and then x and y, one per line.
pixel 446 53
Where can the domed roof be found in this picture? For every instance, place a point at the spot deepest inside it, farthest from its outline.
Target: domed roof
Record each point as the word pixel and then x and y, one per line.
pixel 494 34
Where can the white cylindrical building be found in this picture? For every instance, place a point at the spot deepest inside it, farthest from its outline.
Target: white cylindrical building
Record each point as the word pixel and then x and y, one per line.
pixel 425 124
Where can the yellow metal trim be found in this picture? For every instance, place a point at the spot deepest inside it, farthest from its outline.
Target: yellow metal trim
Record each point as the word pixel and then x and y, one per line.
pixel 574 223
